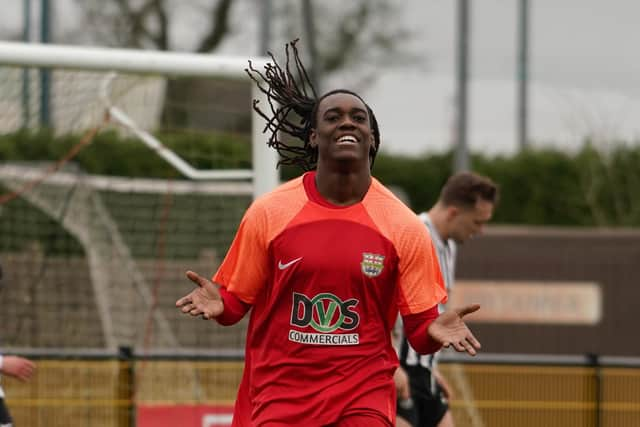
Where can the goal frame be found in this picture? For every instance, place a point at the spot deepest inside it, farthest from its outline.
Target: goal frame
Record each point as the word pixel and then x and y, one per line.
pixel 264 174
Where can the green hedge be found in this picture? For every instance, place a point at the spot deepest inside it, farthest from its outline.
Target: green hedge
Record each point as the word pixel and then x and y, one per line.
pixel 110 154
pixel 542 187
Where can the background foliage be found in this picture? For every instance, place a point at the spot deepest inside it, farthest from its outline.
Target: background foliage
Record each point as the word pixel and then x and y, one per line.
pixel 545 187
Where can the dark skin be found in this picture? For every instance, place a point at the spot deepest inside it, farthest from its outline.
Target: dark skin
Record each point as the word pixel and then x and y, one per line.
pixel 344 139
pixel 343 172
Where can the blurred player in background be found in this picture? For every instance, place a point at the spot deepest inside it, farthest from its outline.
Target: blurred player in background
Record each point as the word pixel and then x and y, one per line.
pixel 325 262
pixel 14 366
pixel 465 205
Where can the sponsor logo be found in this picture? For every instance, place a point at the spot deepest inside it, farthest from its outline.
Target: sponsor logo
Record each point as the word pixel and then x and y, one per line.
pixel 325 313
pixel 323 339
pixel 372 264
pixel 286 265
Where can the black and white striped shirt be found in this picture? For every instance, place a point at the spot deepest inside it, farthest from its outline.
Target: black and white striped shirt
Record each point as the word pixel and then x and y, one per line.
pixel 446 252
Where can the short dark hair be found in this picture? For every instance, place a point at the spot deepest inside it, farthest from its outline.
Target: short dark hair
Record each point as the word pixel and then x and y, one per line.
pixel 463 189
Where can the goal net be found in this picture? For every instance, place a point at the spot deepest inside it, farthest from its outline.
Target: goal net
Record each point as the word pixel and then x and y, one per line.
pixel 121 170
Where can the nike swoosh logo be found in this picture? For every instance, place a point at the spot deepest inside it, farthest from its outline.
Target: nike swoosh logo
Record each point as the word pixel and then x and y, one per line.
pixel 282 266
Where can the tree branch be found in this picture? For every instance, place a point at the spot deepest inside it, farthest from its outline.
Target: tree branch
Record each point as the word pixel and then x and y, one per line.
pixel 219 27
pixel 162 38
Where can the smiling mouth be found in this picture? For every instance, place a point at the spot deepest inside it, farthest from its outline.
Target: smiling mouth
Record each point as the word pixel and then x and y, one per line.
pixel 347 140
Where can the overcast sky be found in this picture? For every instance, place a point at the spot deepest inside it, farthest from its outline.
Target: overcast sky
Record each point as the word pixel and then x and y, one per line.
pixel 584 68
pixel 585 73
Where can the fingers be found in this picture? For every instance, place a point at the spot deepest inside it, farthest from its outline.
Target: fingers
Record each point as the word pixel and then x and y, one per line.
pixel 196 278
pixel 468 348
pixel 184 301
pixel 187 307
pixel 468 309
pixel 19 367
pixel 192 309
pixel 474 342
pixel 196 311
pixel 467 345
pixel 26 372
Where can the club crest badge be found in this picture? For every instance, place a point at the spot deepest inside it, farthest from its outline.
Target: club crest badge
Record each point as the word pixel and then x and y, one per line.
pixel 372 264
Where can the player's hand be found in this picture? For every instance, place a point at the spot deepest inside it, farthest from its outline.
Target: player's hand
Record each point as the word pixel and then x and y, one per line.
pixel 205 300
pixel 450 330
pixel 447 390
pixel 18 367
pixel 401 380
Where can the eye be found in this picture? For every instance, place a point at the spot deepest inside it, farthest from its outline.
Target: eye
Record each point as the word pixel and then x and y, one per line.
pixel 331 118
pixel 360 118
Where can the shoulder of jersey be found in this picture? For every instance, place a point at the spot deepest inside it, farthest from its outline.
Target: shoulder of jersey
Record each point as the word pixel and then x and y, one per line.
pixel 386 196
pixel 283 193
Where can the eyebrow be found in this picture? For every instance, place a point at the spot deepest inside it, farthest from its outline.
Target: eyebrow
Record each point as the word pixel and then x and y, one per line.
pixel 338 110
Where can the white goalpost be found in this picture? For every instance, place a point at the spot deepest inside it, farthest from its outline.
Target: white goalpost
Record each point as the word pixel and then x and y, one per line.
pixel 264 159
pixel 102 258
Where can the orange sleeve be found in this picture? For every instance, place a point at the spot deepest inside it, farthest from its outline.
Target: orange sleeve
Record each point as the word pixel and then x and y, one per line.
pixel 244 270
pixel 420 281
pixel 420 284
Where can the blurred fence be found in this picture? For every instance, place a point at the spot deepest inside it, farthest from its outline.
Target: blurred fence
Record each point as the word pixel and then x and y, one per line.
pixel 499 391
pixel 552 391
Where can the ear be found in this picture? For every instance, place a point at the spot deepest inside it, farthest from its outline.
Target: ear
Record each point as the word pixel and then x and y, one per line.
pixel 312 138
pixel 452 212
pixel 372 146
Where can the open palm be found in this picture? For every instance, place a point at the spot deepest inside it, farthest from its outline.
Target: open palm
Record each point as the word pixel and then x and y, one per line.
pixel 450 330
pixel 204 300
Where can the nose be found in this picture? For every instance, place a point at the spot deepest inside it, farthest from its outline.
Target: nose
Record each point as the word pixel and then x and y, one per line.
pixel 347 123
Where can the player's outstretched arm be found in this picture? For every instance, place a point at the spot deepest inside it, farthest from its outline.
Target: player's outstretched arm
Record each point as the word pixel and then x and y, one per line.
pixel 450 330
pixel 205 300
pixel 18 367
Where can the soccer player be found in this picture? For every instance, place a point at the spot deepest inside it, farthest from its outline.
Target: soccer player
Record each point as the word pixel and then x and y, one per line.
pixel 465 205
pixel 325 262
pixel 17 367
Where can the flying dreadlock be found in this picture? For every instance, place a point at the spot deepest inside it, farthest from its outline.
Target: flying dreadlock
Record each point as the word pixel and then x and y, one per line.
pixel 288 92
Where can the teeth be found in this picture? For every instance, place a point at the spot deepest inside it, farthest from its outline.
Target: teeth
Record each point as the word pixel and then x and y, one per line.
pixel 347 138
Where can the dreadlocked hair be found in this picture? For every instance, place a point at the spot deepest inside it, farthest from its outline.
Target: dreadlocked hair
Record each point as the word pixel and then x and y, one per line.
pixel 289 92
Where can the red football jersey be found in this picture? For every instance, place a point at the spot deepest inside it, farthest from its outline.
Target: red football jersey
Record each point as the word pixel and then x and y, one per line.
pixel 326 283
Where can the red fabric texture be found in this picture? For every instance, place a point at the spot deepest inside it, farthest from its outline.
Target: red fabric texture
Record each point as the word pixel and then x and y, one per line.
pixel 234 308
pixel 416 328
pixel 325 284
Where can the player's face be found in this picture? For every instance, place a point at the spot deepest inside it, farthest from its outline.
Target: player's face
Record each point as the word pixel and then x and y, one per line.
pixel 467 223
pixel 343 129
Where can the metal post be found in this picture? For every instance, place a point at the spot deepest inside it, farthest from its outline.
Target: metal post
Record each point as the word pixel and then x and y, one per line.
pixel 461 162
pixel 523 74
pixel 26 32
pixel 45 74
pixel 127 385
pixel 598 390
pixel 265 26
pixel 310 31
pixel 264 158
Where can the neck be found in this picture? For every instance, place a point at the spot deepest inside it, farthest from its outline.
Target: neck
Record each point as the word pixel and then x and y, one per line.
pixel 438 216
pixel 341 187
